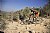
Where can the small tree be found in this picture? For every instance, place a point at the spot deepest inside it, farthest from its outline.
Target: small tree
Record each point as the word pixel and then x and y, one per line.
pixel 26 11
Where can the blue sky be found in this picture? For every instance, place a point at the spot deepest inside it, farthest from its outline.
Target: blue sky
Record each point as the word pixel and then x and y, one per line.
pixel 13 5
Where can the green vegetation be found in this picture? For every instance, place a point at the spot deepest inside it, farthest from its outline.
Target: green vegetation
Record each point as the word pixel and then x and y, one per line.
pixel 46 8
pixel 25 12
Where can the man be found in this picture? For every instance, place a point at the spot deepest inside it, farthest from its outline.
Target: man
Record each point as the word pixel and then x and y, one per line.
pixel 35 14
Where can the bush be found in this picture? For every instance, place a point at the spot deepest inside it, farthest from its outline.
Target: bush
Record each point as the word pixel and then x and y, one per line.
pixel 14 19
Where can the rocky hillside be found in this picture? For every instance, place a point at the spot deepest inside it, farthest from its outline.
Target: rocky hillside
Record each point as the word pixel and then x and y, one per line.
pixel 10 22
pixel 18 27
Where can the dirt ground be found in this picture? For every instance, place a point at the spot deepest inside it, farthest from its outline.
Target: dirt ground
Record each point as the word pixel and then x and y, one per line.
pixel 16 27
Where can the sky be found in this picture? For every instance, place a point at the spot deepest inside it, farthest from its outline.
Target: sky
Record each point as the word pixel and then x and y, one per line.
pixel 13 5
